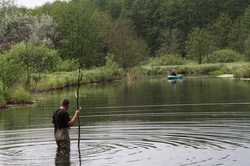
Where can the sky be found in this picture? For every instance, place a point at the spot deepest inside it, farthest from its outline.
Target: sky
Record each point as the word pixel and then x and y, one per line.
pixel 32 3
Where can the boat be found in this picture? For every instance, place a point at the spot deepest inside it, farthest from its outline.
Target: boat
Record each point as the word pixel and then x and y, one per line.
pixel 175 77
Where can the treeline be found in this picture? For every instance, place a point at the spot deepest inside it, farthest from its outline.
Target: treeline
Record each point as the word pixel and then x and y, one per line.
pixel 191 28
pixel 131 30
pixel 62 36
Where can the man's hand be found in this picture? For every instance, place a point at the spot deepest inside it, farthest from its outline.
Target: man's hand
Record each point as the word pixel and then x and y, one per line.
pixel 73 121
pixel 78 111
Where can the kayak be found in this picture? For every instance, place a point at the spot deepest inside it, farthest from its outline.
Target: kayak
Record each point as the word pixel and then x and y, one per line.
pixel 177 77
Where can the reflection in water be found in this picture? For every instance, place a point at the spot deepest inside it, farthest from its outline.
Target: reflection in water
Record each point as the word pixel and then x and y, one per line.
pixel 62 154
pixel 202 122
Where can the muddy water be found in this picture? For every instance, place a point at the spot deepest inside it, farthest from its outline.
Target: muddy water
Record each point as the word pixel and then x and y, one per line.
pixel 196 122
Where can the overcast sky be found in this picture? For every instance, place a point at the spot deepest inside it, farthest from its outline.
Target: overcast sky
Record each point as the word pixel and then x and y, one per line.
pixel 32 3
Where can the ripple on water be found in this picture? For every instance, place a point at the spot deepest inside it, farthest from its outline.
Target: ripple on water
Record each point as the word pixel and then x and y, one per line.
pixel 135 143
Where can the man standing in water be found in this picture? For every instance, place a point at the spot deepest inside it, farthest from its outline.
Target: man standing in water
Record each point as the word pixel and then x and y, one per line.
pixel 62 122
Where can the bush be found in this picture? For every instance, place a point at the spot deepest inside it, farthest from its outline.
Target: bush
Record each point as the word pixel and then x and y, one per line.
pixel 60 80
pixel 11 71
pixel 68 65
pixel 19 95
pixel 34 59
pixel 224 56
pixel 228 68
pixel 2 95
pixel 166 60
pixel 204 69
pixel 193 69
pixel 199 44
pixel 242 72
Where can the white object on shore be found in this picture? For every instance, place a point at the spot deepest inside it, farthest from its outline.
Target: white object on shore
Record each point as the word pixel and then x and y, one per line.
pixel 226 76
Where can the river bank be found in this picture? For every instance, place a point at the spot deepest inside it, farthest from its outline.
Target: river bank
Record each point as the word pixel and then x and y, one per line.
pixel 238 69
pixel 61 80
pixel 58 81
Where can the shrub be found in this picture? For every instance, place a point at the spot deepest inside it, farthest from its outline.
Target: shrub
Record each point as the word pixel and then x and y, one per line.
pixel 2 94
pixel 204 69
pixel 224 56
pixel 19 95
pixel 199 44
pixel 164 60
pixel 59 80
pixel 11 71
pixel 68 65
pixel 242 72
pixel 34 58
pixel 193 69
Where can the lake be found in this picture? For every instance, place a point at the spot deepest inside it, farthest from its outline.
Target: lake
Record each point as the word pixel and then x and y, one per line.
pixel 150 122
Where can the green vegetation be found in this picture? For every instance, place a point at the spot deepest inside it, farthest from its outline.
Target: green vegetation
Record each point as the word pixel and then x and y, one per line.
pixel 166 60
pixel 199 44
pixel 19 95
pixel 189 69
pixel 239 69
pixel 41 48
pixel 2 95
pixel 242 72
pixel 224 56
pixel 60 80
pixel 34 59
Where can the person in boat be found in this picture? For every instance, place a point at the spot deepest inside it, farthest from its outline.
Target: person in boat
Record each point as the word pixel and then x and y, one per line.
pixel 62 122
pixel 173 72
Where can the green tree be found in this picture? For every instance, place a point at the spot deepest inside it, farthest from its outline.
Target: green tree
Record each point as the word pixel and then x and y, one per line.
pixel 11 71
pixel 146 15
pixel 34 59
pixel 80 37
pixel 18 28
pixel 170 42
pixel 221 30
pixel 199 44
pixel 112 7
pixel 237 36
pixel 245 31
pixel 128 50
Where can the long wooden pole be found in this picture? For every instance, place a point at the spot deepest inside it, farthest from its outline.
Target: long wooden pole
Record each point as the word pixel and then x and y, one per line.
pixel 78 107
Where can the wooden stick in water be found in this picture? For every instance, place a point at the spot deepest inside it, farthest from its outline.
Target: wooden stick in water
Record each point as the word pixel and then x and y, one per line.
pixel 78 107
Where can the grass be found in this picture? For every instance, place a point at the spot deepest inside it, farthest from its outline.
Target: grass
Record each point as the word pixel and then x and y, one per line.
pixel 242 71
pixel 225 56
pixel 2 95
pixel 19 95
pixel 223 61
pixel 60 80
pixel 203 69
pixel 2 101
pixel 165 60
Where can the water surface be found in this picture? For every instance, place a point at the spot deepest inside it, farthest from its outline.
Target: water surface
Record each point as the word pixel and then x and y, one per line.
pixel 151 122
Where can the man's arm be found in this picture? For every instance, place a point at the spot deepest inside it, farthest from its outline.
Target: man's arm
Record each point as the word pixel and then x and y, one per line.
pixel 74 119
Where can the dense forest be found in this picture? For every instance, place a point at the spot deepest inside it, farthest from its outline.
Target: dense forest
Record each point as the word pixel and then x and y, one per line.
pixel 62 36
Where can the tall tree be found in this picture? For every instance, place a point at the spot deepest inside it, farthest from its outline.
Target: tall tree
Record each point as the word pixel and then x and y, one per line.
pixel 199 44
pixel 221 30
pixel 79 29
pixel 127 48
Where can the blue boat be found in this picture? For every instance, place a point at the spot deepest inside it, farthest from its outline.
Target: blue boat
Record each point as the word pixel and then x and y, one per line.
pixel 173 77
